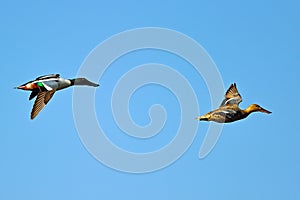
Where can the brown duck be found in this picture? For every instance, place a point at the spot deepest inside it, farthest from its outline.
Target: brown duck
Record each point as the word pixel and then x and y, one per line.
pixel 229 110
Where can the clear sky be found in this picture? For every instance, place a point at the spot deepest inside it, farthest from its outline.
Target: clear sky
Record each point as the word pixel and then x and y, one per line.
pixel 254 43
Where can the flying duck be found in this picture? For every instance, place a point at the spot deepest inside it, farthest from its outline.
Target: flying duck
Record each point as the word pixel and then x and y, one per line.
pixel 44 88
pixel 229 110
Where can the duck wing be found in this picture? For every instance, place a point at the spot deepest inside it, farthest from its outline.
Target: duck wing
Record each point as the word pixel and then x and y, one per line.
pixel 42 87
pixel 232 96
pixel 33 94
pixel 47 76
pixel 42 99
pixel 228 113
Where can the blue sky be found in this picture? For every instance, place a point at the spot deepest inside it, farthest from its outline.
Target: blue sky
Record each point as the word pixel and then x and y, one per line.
pixel 255 44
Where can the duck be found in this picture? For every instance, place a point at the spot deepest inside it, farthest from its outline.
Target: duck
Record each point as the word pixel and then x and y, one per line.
pixel 44 87
pixel 229 110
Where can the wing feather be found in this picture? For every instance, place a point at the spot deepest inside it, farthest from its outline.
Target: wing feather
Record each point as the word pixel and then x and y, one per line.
pixel 226 113
pixel 33 94
pixel 48 76
pixel 42 99
pixel 232 96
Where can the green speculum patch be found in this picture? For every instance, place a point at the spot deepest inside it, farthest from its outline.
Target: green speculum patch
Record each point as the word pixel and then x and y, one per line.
pixel 40 84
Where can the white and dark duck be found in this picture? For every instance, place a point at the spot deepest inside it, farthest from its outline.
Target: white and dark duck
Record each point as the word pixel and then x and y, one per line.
pixel 44 88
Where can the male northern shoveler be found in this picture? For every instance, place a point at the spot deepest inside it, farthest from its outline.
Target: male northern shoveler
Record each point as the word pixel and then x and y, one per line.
pixel 229 110
pixel 44 88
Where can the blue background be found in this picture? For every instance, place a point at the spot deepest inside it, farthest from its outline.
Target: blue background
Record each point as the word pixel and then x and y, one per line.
pixel 255 44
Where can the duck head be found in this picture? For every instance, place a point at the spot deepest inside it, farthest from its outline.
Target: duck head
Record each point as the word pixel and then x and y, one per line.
pixel 83 81
pixel 256 108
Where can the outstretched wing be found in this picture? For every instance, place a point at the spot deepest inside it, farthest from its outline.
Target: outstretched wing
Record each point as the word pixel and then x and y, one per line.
pixel 48 76
pixel 232 96
pixel 33 94
pixel 42 99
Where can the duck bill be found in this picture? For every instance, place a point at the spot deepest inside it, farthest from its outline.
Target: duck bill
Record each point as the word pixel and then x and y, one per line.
pixel 265 111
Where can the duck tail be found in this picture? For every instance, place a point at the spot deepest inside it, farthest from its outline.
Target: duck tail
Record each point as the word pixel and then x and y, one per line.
pixel 202 118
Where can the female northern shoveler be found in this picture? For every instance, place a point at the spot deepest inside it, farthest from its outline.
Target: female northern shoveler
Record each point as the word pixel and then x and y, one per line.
pixel 44 88
pixel 229 110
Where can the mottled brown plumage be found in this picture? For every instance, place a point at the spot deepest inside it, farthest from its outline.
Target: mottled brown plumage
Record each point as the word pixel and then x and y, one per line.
pixel 229 110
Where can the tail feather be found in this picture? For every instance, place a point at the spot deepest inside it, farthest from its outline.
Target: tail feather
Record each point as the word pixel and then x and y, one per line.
pixel 202 118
